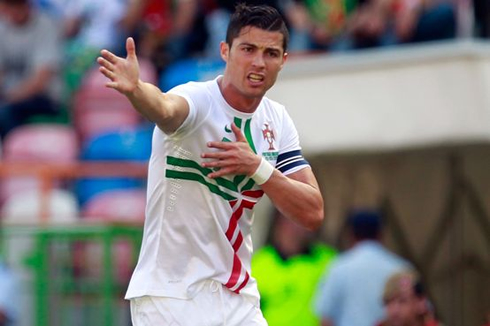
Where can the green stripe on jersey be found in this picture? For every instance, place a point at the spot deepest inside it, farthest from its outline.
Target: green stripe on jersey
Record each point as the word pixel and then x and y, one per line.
pixel 248 135
pixel 203 171
pixel 199 178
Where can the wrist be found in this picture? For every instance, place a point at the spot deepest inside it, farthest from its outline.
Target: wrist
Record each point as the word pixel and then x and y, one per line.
pixel 134 90
pixel 263 172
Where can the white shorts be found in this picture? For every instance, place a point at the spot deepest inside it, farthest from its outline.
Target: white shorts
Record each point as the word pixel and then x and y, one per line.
pixel 214 305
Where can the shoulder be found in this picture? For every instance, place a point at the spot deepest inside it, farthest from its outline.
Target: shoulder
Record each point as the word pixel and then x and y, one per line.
pixel 275 106
pixel 197 92
pixel 324 251
pixel 194 87
pixel 394 258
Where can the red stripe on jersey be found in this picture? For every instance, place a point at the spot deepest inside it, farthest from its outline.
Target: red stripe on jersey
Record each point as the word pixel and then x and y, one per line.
pixel 235 273
pixel 237 214
pixel 235 217
pixel 234 222
pixel 238 242
pixel 245 281
pixel 253 193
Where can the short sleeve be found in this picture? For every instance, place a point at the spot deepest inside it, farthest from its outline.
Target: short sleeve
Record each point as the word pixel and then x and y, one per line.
pixel 199 102
pixel 290 158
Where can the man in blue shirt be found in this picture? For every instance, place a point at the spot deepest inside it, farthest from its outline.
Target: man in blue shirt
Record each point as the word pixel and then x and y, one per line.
pixel 351 291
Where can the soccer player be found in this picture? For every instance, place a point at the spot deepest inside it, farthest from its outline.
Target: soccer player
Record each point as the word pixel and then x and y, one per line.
pixel 218 146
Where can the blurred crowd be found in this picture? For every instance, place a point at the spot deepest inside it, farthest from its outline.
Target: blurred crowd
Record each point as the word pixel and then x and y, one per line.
pixel 304 281
pixel 49 45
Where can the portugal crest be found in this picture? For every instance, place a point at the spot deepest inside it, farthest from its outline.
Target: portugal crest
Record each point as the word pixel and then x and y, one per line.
pixel 268 134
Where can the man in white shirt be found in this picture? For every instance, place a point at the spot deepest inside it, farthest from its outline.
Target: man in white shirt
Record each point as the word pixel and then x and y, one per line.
pixel 218 146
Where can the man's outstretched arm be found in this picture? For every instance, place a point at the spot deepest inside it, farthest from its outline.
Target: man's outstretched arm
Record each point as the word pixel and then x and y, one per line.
pixel 168 111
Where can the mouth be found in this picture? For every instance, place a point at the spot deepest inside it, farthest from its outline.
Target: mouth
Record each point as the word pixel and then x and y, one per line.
pixel 256 78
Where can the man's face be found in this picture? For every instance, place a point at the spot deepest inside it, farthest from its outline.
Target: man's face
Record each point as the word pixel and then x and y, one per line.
pixel 404 309
pixel 253 62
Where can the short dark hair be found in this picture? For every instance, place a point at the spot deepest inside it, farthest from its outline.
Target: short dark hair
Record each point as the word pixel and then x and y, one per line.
pixel 365 223
pixel 263 17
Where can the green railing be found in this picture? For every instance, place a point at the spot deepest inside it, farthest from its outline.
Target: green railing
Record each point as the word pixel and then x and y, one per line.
pixel 62 261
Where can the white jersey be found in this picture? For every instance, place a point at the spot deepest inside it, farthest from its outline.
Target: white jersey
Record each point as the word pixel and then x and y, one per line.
pixel 198 228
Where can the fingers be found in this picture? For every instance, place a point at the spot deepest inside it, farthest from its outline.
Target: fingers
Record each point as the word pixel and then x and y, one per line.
pixel 105 64
pixel 238 133
pixel 214 155
pixel 130 47
pixel 108 73
pixel 221 172
pixel 113 85
pixel 220 145
pixel 109 56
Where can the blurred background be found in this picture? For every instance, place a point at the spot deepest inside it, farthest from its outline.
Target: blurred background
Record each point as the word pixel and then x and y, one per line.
pixel 390 98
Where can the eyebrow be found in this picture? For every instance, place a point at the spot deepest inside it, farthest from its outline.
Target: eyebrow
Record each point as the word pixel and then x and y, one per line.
pixel 269 48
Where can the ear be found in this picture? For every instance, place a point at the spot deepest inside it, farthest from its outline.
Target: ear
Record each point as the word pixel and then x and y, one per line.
pixel 224 50
pixel 284 59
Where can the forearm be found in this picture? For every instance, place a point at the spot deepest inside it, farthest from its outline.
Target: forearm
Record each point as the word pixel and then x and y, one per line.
pixel 32 86
pixel 299 200
pixel 147 100
pixel 156 106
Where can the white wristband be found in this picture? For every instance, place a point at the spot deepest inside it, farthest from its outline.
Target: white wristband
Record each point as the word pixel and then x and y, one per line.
pixel 263 172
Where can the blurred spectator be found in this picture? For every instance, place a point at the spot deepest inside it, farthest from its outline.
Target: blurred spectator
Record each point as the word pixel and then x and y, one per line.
pixel 324 21
pixel 219 11
pixel 406 303
pixel 351 292
pixel 481 11
pixel 390 22
pixel 165 30
pixel 30 57
pixel 9 297
pixel 54 8
pixel 287 270
pixel 89 25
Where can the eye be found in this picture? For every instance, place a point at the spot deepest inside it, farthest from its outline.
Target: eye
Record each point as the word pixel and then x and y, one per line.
pixel 273 54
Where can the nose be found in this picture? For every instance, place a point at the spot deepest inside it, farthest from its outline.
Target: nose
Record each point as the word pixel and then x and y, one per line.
pixel 258 60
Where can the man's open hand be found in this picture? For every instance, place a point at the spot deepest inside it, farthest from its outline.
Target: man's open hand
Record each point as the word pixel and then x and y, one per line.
pixel 123 73
pixel 232 158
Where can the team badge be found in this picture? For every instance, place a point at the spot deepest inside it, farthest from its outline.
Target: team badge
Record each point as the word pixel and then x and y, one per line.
pixel 268 134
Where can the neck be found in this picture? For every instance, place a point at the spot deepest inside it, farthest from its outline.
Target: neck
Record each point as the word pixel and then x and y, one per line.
pixel 236 100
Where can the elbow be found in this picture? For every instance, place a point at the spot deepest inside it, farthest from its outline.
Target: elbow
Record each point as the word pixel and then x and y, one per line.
pixel 315 220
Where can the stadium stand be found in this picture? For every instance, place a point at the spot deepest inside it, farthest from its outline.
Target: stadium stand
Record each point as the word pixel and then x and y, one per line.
pixel 37 143
pixel 122 145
